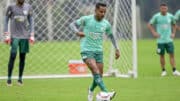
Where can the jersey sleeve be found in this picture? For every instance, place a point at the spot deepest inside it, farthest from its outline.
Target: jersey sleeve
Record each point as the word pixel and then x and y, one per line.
pixel 153 20
pixel 9 11
pixel 177 15
pixel 7 16
pixel 108 29
pixel 30 19
pixel 173 21
pixel 81 21
pixel 30 12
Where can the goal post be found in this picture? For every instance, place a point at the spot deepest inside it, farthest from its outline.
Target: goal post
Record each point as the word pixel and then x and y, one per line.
pixel 56 45
pixel 134 38
pixel 124 28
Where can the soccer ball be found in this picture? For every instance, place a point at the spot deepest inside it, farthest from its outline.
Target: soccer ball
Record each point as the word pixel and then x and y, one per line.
pixel 102 96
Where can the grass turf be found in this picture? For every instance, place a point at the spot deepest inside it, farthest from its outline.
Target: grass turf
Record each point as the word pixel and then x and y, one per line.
pixel 149 86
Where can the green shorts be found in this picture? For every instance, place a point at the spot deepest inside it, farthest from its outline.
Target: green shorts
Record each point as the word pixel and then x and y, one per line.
pixel 98 56
pixel 168 47
pixel 22 44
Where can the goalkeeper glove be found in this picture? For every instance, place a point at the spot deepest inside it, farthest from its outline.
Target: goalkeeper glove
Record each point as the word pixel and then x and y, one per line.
pixel 7 38
pixel 31 39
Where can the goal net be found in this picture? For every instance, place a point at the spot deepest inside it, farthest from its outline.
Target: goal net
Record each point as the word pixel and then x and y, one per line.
pixel 56 52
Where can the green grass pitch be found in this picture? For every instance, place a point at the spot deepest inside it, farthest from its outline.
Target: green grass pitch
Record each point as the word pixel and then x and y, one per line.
pixel 149 86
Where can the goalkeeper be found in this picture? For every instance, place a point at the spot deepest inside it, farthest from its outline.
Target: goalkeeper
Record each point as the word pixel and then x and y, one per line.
pixel 94 26
pixel 19 36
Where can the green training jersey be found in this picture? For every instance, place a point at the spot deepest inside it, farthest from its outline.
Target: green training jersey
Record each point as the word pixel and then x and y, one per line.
pixel 93 31
pixel 163 25
pixel 177 15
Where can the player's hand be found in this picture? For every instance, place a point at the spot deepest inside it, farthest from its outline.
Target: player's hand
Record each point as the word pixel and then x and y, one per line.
pixel 31 39
pixel 173 35
pixel 117 54
pixel 80 34
pixel 178 28
pixel 156 35
pixel 7 38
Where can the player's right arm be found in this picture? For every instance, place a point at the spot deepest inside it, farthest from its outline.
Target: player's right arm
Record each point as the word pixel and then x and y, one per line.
pixel 7 35
pixel 76 24
pixel 151 28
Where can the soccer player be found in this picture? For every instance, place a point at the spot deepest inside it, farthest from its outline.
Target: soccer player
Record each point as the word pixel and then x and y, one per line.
pixel 165 32
pixel 177 17
pixel 94 26
pixel 19 35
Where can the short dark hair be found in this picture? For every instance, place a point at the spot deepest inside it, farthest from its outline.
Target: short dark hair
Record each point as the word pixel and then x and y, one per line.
pixel 163 4
pixel 100 4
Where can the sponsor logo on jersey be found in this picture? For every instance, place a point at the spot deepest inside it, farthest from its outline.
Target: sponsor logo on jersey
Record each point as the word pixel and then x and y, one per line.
pixel 95 36
pixel 103 29
pixel 25 12
pixel 169 20
pixel 9 13
pixel 19 18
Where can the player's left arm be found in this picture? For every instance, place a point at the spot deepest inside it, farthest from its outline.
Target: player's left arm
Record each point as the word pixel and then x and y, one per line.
pixel 173 27
pixel 173 31
pixel 177 18
pixel 117 52
pixel 31 25
pixel 113 40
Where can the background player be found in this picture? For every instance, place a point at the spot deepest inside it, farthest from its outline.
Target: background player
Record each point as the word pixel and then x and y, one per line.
pixel 164 22
pixel 19 37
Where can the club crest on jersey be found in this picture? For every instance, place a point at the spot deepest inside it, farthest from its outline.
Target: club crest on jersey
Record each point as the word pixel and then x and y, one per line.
pixel 25 12
pixel 103 29
pixel 9 13
pixel 169 20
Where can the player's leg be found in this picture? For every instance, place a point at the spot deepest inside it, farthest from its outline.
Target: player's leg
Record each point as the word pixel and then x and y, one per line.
pixel 100 66
pixel 99 63
pixel 94 85
pixel 10 67
pixel 173 65
pixel 96 73
pixel 89 59
pixel 13 53
pixel 172 62
pixel 97 79
pixel 161 52
pixel 162 62
pixel 170 50
pixel 24 48
pixel 22 57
